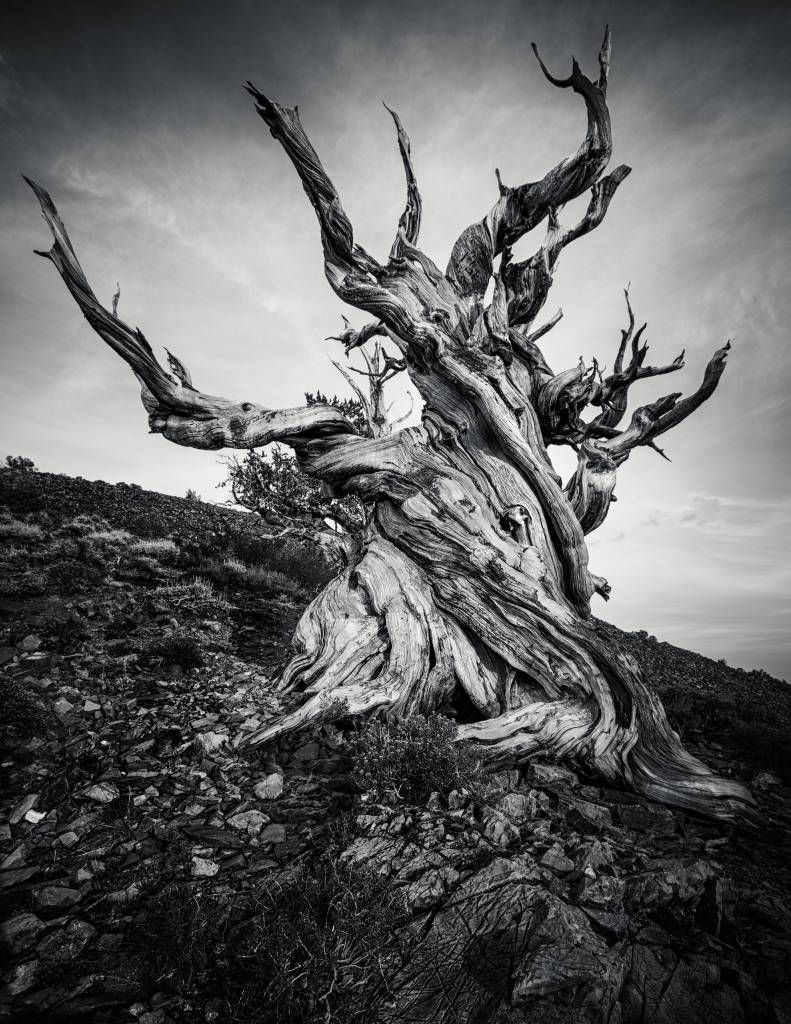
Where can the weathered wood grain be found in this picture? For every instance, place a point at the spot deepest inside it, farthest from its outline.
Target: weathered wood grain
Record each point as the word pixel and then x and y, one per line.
pixel 473 574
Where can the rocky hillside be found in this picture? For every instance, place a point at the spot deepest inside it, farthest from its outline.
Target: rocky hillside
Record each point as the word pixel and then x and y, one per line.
pixel 150 872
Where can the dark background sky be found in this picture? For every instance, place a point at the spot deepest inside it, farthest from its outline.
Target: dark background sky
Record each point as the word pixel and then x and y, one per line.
pixel 132 114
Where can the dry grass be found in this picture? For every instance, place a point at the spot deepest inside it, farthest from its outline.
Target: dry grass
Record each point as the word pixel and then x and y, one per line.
pixel 198 594
pixel 109 537
pixel 15 529
pixel 154 547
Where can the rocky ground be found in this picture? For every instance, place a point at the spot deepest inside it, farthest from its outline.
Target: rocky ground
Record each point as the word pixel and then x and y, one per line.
pixel 150 872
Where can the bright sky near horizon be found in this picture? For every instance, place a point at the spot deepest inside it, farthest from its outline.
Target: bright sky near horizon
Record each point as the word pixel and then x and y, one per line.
pixel 133 116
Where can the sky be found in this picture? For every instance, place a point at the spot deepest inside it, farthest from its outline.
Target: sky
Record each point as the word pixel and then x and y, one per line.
pixel 133 116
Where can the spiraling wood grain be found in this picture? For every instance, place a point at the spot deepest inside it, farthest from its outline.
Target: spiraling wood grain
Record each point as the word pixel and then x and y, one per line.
pixel 473 573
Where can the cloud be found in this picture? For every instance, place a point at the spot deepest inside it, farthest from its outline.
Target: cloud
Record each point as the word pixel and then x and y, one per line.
pixel 11 94
pixel 170 184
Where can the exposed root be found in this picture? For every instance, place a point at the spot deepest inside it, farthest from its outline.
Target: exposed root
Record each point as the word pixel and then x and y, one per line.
pixel 377 640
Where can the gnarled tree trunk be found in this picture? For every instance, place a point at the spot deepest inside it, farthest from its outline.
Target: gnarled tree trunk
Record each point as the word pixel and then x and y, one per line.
pixel 473 574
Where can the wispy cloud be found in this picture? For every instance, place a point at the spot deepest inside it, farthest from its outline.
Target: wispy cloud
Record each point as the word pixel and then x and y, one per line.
pixel 172 185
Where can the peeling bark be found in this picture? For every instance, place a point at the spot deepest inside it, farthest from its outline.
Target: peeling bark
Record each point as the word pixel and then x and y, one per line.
pixel 472 578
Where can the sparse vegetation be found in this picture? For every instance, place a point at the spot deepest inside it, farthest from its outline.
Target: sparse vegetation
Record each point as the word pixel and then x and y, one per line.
pixel 180 649
pixel 315 945
pixel 23 713
pixel 18 531
pixel 28 584
pixel 109 538
pixel 407 761
pixel 751 728
pixel 322 947
pixel 137 685
pixel 72 575
pixel 20 464
pixel 158 547
pixel 196 595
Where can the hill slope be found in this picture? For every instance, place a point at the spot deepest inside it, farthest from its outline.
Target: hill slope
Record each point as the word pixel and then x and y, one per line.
pixel 149 872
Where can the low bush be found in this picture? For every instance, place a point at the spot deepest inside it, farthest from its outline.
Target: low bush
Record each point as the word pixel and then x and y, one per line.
pixel 323 946
pixel 29 584
pixel 233 572
pixel 749 730
pixel 197 596
pixel 18 531
pixel 23 714
pixel 144 524
pixel 71 575
pixel 66 630
pixel 160 548
pixel 253 549
pixel 213 539
pixel 21 491
pixel 108 538
pixel 295 559
pixel 20 464
pixel 765 747
pixel 259 578
pixel 83 524
pixel 176 935
pixel 409 760
pixel 317 944
pixel 180 649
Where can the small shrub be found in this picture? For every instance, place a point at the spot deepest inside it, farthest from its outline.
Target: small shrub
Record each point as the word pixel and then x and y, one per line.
pixel 259 578
pixel 66 631
pixel 192 496
pixel 108 538
pixel 296 560
pixel 253 549
pixel 23 714
pixel 302 561
pixel 176 935
pixel 749 730
pixel 20 464
pixel 144 524
pixel 180 649
pixel 157 547
pixel 235 566
pixel 83 524
pixel 29 584
pixel 16 530
pixel 322 948
pixel 765 747
pixel 317 944
pixel 197 596
pixel 409 760
pixel 255 577
pixel 21 492
pixel 70 575
pixel 212 541
pixel 14 553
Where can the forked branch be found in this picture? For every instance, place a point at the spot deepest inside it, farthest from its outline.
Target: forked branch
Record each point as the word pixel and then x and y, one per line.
pixel 612 394
pixel 649 421
pixel 175 408
pixel 520 209
pixel 604 449
pixel 354 275
pixel 528 282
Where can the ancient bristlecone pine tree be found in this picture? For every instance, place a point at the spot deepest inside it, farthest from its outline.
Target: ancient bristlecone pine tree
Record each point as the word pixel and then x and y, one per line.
pixel 472 582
